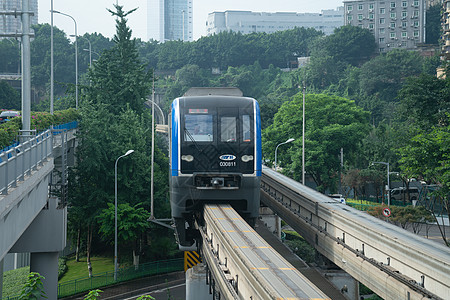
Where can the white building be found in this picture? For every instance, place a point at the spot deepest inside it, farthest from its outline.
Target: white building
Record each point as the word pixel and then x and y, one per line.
pixel 10 24
pixel 394 23
pixel 170 20
pixel 248 22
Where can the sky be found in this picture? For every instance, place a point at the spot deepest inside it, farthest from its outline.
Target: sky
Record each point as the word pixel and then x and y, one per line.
pixel 91 15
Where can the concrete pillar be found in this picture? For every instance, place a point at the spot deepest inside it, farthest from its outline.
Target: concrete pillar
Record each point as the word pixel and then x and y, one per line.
pixel 270 220
pixel 196 287
pixel 348 286
pixel 46 264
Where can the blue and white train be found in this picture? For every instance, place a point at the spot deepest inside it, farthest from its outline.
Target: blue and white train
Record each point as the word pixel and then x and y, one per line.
pixel 215 157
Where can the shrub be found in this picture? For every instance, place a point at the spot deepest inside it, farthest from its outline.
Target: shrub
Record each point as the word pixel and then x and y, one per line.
pixel 39 120
pixel 62 267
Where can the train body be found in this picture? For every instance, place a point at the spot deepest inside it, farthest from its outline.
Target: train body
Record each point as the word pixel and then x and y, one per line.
pixel 215 157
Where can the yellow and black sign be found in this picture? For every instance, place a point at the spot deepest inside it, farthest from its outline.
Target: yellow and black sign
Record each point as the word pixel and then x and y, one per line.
pixel 191 258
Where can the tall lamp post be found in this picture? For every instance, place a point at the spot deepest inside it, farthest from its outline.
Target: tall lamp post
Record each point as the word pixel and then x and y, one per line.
pixel 276 149
pixel 388 186
pixel 115 212
pixel 90 50
pixel 76 55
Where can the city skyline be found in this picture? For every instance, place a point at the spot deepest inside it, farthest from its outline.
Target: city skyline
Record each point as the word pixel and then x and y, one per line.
pixel 93 16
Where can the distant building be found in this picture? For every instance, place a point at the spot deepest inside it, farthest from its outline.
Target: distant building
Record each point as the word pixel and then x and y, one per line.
pixel 170 20
pixel 248 22
pixel 12 24
pixel 394 23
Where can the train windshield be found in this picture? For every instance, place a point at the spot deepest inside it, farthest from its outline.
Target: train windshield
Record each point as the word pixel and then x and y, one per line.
pixel 198 128
pixel 228 129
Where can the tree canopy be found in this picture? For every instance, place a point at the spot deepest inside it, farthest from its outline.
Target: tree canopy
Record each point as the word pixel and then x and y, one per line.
pixel 332 123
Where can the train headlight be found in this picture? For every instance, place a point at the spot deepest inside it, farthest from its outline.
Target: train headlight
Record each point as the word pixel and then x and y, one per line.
pixel 187 158
pixel 247 158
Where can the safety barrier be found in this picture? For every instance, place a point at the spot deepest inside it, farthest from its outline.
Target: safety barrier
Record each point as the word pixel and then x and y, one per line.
pixel 24 158
pixel 107 278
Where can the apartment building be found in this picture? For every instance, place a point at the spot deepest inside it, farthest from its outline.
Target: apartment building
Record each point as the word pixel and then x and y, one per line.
pixel 394 23
pixel 12 24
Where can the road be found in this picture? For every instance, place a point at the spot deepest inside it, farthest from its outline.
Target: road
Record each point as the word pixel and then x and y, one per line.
pixel 173 291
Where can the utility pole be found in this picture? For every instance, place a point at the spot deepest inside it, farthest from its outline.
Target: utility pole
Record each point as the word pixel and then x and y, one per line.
pixel 26 73
pixel 303 135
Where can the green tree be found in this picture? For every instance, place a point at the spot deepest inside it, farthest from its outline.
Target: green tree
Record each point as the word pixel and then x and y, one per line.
pixel 10 54
pixel 9 97
pixel 64 60
pixel 424 101
pixel 433 25
pixel 382 77
pixel 132 224
pixel 332 123
pixel 119 78
pixel 348 44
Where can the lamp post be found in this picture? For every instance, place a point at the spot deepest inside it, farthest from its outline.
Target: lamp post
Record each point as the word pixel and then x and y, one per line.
pixel 388 186
pixel 303 134
pixel 51 58
pixel 115 212
pixel 76 55
pixel 276 149
pixel 90 50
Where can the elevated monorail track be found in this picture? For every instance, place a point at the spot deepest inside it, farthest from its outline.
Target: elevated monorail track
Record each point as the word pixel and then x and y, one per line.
pixel 393 262
pixel 241 265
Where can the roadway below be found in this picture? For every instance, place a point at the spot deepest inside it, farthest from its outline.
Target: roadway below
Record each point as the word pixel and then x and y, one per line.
pixel 159 285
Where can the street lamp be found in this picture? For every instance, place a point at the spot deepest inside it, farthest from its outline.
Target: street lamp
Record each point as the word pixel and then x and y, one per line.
pixel 115 212
pixel 276 149
pixel 76 55
pixel 388 186
pixel 90 50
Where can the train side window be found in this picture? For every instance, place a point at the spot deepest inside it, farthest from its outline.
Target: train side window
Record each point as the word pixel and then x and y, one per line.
pixel 198 128
pixel 246 129
pixel 228 129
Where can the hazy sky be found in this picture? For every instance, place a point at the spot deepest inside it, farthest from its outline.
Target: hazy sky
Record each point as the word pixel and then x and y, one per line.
pixel 92 16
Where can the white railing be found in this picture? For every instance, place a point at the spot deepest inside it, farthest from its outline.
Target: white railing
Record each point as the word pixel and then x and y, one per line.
pixel 21 160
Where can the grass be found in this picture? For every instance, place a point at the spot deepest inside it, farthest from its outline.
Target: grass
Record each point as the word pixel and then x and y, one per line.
pixel 13 280
pixel 79 269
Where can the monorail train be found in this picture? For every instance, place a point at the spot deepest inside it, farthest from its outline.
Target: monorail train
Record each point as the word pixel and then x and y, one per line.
pixel 215 157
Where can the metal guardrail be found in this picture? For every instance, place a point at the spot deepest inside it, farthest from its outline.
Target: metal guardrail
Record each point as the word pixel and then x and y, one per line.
pixel 99 280
pixel 19 161
pixel 107 278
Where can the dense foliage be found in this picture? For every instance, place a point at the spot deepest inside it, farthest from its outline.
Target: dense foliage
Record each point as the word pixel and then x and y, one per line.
pixel 113 120
pixel 40 121
pixel 386 107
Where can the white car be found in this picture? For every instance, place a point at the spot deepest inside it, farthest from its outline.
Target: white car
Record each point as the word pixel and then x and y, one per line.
pixel 7 115
pixel 338 197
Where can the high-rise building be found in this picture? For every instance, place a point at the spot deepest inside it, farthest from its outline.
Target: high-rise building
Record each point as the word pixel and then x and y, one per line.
pixel 12 24
pixel 394 23
pixel 170 20
pixel 248 21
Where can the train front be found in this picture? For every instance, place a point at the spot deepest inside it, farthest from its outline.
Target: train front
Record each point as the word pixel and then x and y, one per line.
pixel 215 147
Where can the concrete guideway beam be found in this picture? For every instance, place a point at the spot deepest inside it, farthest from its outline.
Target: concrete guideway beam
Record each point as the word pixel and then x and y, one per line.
pixel 243 265
pixel 394 263
pixel 21 206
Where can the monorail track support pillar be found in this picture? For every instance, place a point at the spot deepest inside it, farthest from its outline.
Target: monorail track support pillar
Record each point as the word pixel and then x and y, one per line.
pixel 196 283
